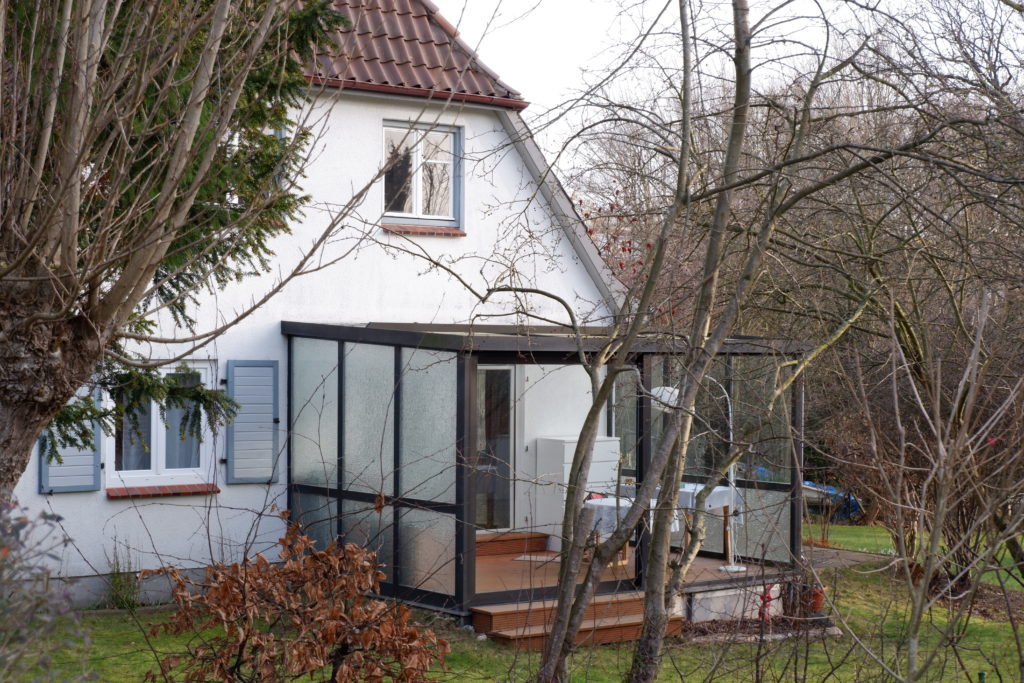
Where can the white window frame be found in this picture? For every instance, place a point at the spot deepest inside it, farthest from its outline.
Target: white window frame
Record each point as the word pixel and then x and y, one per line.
pixel 159 474
pixel 416 133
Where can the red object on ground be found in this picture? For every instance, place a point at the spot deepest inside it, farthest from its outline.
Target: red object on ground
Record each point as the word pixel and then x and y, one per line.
pixel 818 599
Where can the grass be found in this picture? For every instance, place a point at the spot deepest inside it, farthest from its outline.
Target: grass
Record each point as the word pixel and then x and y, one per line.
pixel 865 539
pixel 865 600
pixel 875 539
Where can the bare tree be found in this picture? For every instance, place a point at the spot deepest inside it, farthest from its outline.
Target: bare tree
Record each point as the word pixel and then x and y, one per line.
pixel 743 167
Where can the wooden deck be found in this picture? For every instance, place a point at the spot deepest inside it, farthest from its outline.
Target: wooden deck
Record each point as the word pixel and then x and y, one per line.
pixel 513 572
pixel 523 571
pixel 523 622
pixel 612 618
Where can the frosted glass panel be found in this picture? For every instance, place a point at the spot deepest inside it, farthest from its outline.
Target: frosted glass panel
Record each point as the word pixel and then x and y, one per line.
pixel 318 516
pixel 314 404
pixel 763 528
pixel 366 527
pixel 428 427
pixel 622 417
pixel 427 550
pixel 369 418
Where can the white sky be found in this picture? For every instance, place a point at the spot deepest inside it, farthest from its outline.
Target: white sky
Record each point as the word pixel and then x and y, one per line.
pixel 537 46
pixel 541 47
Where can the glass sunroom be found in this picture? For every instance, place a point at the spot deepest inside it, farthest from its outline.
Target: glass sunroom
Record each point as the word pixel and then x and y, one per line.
pixel 446 448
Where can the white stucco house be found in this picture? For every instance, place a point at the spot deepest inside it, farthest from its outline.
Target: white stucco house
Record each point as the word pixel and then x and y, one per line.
pixel 382 401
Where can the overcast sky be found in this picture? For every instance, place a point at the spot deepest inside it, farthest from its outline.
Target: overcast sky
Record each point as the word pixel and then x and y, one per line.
pixel 537 46
pixel 541 47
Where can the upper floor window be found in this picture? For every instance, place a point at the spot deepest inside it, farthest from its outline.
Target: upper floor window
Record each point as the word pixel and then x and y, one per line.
pixel 421 177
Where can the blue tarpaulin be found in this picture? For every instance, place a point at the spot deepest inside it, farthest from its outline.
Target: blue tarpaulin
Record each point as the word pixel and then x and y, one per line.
pixel 844 505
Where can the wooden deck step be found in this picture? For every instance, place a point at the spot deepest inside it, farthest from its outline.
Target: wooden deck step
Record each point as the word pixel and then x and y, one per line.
pixel 592 632
pixel 510 543
pixel 519 615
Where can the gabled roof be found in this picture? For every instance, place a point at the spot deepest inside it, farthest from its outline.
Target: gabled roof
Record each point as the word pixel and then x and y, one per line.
pixel 406 47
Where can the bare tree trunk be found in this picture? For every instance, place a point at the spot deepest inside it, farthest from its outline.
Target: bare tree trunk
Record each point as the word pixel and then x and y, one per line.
pixel 1013 546
pixel 647 653
pixel 40 370
pixel 572 600
pixel 554 665
pixel 19 425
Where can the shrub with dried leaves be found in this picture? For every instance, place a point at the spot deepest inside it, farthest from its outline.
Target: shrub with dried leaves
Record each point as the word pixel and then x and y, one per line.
pixel 308 616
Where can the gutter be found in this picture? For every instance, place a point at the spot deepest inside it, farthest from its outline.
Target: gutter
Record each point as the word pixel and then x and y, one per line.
pixel 439 96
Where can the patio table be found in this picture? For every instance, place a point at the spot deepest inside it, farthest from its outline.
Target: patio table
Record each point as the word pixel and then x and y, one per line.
pixel 608 512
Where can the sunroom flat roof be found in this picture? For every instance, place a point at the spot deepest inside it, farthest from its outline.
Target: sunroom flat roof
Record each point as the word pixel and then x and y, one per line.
pixel 482 338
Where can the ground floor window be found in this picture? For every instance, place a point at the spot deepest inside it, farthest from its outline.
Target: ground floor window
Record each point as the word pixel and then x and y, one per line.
pixel 152 443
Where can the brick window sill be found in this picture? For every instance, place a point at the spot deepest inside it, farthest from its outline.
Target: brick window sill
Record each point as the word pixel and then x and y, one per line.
pixel 424 230
pixel 160 491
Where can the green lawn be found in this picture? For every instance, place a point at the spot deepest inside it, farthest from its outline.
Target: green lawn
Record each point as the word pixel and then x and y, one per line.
pixel 867 539
pixel 867 601
pixel 875 539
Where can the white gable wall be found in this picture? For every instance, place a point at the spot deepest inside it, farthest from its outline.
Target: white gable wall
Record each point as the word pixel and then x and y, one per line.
pixel 510 239
pixel 508 230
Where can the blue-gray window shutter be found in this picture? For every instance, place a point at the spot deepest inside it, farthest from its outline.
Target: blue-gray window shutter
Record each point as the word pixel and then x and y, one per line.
pixel 79 469
pixel 252 443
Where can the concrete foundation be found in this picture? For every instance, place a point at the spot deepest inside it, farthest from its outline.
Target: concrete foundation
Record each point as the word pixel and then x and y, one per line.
pixel 743 602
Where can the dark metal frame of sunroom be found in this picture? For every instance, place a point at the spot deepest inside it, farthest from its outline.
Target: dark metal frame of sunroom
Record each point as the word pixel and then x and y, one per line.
pixel 507 345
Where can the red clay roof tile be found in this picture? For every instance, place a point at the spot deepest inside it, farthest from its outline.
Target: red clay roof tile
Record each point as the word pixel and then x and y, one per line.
pixel 407 47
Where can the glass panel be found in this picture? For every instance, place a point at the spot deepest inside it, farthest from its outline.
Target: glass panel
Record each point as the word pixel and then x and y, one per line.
pixel 398 158
pixel 132 442
pixel 182 448
pixel 427 550
pixel 623 417
pixel 437 174
pixel 762 528
pixel 713 532
pixel 318 516
pixel 437 147
pixel 428 425
pixel 437 189
pixel 711 433
pixel 662 375
pixel 766 428
pixel 369 528
pixel 369 455
pixel 314 402
pixel 493 482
